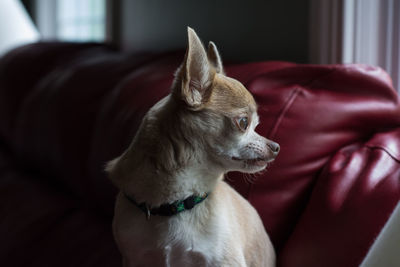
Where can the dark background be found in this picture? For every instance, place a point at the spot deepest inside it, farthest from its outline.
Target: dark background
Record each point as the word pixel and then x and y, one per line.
pixel 243 30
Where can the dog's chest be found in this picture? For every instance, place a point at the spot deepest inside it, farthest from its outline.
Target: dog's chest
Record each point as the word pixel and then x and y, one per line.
pixel 173 244
pixel 179 256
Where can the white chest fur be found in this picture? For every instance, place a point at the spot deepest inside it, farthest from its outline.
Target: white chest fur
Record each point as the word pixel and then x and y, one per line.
pixel 191 238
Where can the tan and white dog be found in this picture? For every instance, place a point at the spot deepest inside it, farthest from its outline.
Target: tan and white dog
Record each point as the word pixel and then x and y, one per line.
pixel 174 209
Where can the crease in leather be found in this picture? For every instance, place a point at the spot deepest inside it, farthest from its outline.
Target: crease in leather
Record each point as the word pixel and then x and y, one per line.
pixel 288 103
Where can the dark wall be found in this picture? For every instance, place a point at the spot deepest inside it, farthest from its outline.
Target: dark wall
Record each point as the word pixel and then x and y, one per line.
pixel 243 30
pixel 250 30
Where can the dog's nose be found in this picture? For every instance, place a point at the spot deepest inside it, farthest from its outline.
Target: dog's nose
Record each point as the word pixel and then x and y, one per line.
pixel 274 147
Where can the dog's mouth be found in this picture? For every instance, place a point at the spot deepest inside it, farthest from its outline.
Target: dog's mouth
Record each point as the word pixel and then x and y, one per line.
pixel 260 162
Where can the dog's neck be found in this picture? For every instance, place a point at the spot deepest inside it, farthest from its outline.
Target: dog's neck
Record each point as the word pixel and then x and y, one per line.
pixel 161 166
pixel 157 187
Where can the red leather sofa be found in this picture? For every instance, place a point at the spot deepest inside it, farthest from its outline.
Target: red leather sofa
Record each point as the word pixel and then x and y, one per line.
pixel 66 109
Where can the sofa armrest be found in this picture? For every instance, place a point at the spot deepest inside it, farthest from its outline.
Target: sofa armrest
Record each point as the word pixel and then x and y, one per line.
pixel 352 200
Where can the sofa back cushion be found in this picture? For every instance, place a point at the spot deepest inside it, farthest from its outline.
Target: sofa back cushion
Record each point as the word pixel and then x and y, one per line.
pixel 66 109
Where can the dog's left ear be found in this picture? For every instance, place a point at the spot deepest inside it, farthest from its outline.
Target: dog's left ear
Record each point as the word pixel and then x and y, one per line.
pixel 214 58
pixel 194 77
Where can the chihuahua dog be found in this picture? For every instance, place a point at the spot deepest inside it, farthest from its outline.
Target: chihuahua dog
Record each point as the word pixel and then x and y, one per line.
pixel 174 209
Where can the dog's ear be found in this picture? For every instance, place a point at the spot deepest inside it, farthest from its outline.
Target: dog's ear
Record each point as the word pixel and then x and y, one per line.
pixel 214 58
pixel 194 77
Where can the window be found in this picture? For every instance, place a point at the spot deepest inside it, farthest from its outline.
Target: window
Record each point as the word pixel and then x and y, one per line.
pixel 72 20
pixel 357 31
pixel 81 20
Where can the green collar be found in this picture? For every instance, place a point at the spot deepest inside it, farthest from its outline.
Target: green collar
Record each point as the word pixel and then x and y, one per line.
pixel 169 209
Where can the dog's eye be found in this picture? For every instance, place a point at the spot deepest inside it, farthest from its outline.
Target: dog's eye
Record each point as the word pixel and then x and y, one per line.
pixel 243 123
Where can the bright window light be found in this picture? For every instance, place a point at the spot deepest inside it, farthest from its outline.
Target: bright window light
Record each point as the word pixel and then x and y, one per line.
pixel 80 20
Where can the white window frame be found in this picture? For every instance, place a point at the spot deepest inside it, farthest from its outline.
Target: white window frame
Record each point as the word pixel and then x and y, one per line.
pixel 356 31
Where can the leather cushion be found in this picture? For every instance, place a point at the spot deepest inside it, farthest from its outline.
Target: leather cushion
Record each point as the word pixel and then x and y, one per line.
pixel 66 109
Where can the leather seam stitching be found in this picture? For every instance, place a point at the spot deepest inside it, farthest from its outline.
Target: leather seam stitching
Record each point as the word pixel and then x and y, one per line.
pixel 385 149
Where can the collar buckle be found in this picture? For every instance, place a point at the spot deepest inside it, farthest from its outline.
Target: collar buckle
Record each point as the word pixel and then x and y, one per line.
pixel 169 209
pixel 148 212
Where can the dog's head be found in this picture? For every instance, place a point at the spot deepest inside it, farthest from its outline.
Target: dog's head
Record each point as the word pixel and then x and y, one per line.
pixel 204 128
pixel 220 112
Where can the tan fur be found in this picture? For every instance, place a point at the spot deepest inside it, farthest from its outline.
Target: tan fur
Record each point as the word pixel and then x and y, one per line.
pixel 184 146
pixel 229 95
